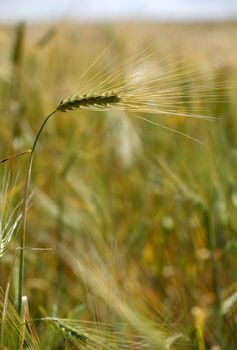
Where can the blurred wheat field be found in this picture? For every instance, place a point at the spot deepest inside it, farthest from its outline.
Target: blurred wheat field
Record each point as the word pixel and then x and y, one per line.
pixel 138 222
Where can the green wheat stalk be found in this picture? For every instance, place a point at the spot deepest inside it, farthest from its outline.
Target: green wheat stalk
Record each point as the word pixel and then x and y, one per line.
pixel 93 101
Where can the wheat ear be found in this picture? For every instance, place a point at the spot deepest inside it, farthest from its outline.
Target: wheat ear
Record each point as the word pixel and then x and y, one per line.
pixel 98 101
pixel 70 332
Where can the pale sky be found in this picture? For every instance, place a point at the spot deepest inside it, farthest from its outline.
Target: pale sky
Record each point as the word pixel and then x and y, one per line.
pixel 84 10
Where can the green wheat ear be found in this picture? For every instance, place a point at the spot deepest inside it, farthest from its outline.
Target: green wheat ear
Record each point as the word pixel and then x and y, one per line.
pixel 98 101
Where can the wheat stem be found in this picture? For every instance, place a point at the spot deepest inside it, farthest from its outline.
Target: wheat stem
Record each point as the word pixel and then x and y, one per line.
pixel 24 212
pixel 91 101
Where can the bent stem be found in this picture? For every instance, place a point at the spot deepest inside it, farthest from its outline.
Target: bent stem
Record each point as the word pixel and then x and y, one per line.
pixel 24 214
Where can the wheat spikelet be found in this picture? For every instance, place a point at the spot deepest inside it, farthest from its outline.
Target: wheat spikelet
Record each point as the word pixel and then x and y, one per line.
pixel 70 332
pixel 96 101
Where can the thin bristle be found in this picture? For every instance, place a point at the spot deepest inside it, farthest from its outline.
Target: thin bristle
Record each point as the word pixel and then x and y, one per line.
pixel 86 101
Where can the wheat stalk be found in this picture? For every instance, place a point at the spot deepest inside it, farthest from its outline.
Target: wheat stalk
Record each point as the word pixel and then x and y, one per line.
pixel 93 101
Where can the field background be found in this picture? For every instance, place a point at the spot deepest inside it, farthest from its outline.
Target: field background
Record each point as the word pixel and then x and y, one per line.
pixel 141 221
